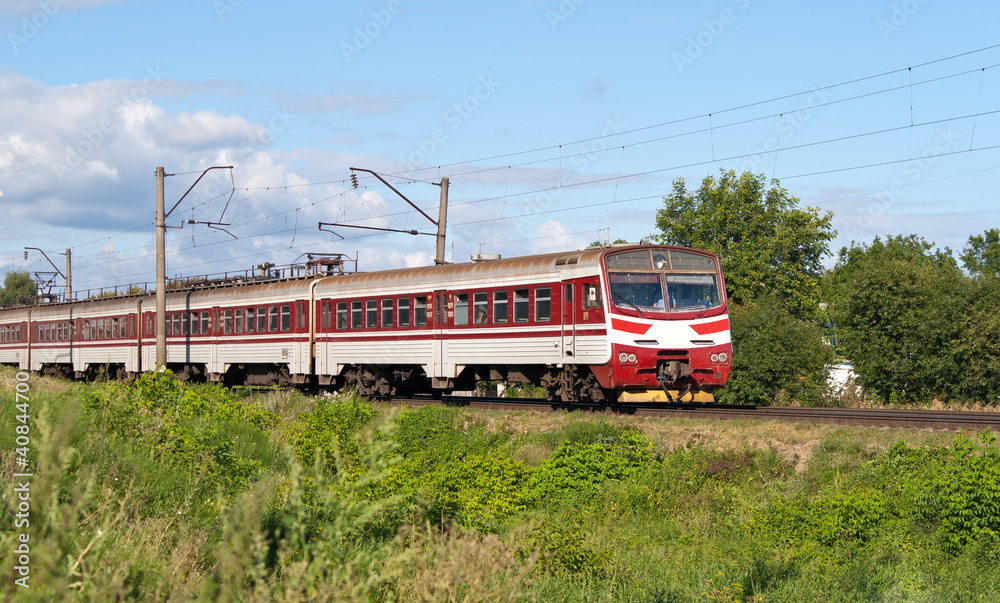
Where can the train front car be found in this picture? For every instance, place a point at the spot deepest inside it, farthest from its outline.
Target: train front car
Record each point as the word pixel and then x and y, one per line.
pixel 668 324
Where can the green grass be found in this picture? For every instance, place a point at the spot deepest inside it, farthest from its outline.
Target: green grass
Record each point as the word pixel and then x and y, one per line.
pixel 165 492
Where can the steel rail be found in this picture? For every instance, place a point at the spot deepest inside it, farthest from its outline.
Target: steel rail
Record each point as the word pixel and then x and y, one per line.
pixel 908 418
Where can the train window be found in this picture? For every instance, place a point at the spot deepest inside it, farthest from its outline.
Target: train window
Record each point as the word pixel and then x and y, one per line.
pixel 461 308
pixel 420 311
pixel 630 260
pixel 238 320
pixel 251 320
pixel 386 313
pixel 480 301
pixel 204 322
pixel 521 305
pixel 682 260
pixel 499 306
pixel 261 319
pixel 438 310
pixel 357 315
pixel 286 317
pixel 591 297
pixel 86 330
pixel 272 318
pixel 177 323
pixel 132 323
pixel 195 323
pixel 103 328
pixel 403 304
pixel 341 315
pixel 325 315
pixel 543 303
pixel 114 328
pixel 185 323
pixel 371 313
pixel 227 321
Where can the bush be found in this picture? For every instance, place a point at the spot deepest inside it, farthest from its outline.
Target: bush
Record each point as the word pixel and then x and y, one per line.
pixel 576 470
pixel 330 428
pixel 187 426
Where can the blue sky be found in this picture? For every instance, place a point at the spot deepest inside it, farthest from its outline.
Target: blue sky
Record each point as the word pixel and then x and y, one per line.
pixel 554 121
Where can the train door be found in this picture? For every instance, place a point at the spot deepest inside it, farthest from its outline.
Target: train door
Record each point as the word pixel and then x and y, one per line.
pixel 214 338
pixel 440 317
pixel 568 320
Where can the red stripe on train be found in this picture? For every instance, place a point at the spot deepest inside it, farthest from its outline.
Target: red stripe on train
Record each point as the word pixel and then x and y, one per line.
pixel 711 327
pixel 629 327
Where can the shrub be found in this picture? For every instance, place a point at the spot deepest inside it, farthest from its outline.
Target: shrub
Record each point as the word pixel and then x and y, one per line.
pixel 330 427
pixel 478 491
pixel 188 426
pixel 581 469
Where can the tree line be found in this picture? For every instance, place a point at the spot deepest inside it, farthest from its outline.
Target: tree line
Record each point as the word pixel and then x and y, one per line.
pixel 916 324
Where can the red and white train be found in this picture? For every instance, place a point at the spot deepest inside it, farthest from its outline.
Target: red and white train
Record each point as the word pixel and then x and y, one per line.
pixel 595 325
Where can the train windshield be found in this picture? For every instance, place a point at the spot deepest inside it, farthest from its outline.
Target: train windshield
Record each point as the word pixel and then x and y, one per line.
pixel 661 280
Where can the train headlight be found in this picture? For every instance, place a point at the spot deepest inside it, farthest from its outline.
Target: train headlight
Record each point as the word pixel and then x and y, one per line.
pixel 631 357
pixel 723 357
pixel 715 357
pixel 623 357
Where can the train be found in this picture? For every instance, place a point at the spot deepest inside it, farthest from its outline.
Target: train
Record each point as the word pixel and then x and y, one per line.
pixel 602 325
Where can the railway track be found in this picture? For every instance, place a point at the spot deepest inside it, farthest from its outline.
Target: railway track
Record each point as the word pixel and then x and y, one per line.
pixel 915 419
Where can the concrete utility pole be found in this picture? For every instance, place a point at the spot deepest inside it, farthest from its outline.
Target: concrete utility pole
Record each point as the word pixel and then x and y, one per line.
pixel 161 259
pixel 161 274
pixel 442 222
pixel 69 274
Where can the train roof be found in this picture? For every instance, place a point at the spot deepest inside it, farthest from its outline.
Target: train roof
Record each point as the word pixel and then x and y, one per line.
pixel 488 270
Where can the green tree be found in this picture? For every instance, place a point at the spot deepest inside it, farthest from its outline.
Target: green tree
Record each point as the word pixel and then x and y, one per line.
pixel 17 288
pixel 978 349
pixel 775 356
pixel 899 307
pixel 981 255
pixel 768 244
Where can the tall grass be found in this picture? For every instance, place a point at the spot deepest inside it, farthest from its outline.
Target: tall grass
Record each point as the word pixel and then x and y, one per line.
pixel 160 491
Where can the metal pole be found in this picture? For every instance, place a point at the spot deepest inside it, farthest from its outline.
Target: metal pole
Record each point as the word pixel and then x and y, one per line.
pixel 161 274
pixel 442 222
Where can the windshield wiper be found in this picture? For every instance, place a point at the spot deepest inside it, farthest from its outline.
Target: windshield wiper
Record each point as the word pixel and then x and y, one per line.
pixel 629 302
